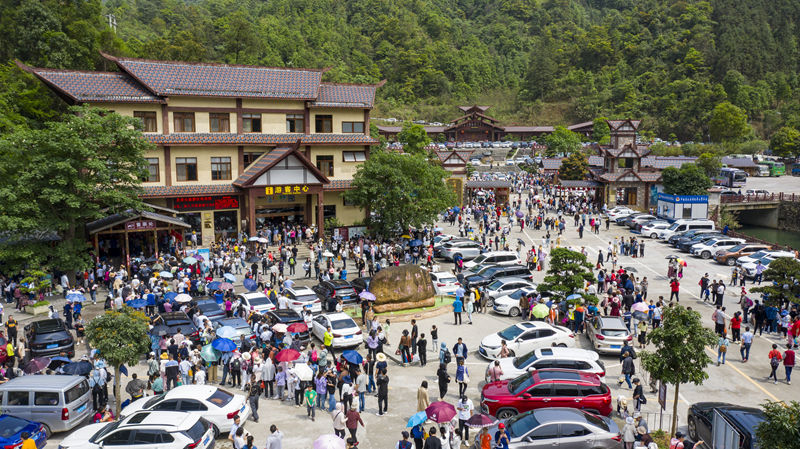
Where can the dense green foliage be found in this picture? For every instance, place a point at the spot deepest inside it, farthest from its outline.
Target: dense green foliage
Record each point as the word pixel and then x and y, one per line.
pixel 687 180
pixel 780 281
pixel 567 273
pixel 562 142
pixel 536 61
pixel 781 428
pixel 574 166
pixel 414 138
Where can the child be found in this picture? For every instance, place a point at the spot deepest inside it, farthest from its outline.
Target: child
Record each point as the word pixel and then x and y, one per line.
pixel 280 382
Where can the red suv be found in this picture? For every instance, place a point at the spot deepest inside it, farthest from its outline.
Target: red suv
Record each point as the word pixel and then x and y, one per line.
pixel 3 354
pixel 546 388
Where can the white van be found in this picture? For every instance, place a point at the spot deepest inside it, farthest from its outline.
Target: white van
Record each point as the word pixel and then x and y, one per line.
pixel 496 258
pixel 685 225
pixel 59 402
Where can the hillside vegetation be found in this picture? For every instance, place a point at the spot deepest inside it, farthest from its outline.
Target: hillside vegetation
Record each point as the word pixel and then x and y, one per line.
pixel 545 62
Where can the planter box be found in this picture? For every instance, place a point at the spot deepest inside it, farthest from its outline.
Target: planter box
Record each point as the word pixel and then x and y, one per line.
pixel 37 310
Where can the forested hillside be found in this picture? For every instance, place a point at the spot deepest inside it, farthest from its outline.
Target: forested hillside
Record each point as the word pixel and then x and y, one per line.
pixel 553 61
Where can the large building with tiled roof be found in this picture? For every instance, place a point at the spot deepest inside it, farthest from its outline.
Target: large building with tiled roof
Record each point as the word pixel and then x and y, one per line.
pixel 236 146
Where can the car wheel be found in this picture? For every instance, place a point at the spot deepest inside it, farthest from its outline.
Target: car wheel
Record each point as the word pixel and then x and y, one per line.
pixel 48 433
pixel 561 345
pixel 731 261
pixel 706 255
pixel 506 413
pixel 489 302
pixel 514 312
pixel 216 431
pixel 692 425
pixel 654 236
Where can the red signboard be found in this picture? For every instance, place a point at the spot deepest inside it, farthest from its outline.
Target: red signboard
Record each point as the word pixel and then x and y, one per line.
pixel 206 202
pixel 138 225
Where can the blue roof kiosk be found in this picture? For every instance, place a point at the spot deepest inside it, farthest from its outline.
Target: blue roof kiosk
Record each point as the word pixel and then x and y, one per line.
pixel 675 207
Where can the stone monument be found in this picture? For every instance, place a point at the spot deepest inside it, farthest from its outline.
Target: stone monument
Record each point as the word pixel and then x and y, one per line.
pixel 401 288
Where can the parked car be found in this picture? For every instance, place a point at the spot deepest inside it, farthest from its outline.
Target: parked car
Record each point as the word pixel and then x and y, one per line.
pixel 214 404
pixel 503 286
pixel 301 298
pixel 11 429
pixel 49 338
pixel 617 212
pixel 495 257
pixel 740 421
pixel 210 308
pixel 751 268
pixel 361 284
pixel 653 228
pixel 499 271
pixel 466 249
pixel 444 283
pixel 345 331
pixel 758 255
pixel 730 255
pixel 707 248
pixel 60 402
pixel 607 334
pixel 634 222
pixel 686 225
pixel 169 323
pixel 524 337
pixel 287 317
pixel 548 428
pixel 546 388
pixel 242 327
pixel 689 235
pixel 686 245
pixel 145 430
pixel 508 304
pixel 552 357
pixel 330 292
pixel 257 301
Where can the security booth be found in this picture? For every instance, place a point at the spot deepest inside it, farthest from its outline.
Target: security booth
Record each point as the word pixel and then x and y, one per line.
pixel 480 189
pixel 674 207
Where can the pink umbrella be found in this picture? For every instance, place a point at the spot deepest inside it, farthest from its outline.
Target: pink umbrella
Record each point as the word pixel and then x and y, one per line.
pixel 226 286
pixel 297 327
pixel 640 307
pixel 440 411
pixel 287 355
pixel 329 441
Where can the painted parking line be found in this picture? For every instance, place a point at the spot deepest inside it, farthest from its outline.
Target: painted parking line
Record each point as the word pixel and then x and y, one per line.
pixel 741 373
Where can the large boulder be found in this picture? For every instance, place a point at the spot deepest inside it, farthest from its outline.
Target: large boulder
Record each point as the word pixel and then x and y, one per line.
pixel 401 288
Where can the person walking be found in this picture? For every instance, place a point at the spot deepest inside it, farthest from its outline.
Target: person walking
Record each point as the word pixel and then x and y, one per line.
pixel 457 309
pixel 470 307
pixel 747 342
pixel 462 376
pixel 253 393
pixel 423 401
pixel 275 438
pixel 774 361
pixel 788 362
pixel 465 409
pixel 310 399
pixel 674 288
pixel 443 379
pixel 638 395
pixel 339 421
pixel 352 422
pixel 722 347
pixel 628 369
pixel 383 392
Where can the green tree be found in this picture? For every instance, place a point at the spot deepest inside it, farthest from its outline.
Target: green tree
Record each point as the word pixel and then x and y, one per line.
pixel 601 133
pixel 729 218
pixel 785 142
pixel 574 166
pixel 58 178
pixel 562 141
pixel 414 138
pixel 728 123
pixel 401 190
pixel 781 428
pixel 709 163
pixel 567 273
pixel 121 337
pixel 687 180
pixel 679 355
pixel 780 281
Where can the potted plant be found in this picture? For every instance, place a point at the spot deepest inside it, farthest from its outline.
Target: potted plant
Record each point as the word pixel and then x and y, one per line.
pixel 37 308
pixel 34 285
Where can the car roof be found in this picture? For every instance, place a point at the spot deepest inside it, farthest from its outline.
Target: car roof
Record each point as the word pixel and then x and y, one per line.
pixel 512 279
pixel 443 274
pixel 191 391
pixel 338 316
pixel 177 420
pixel 612 322
pixel 48 381
pixel 51 325
pixel 547 374
pixel 301 291
pixel 174 315
pixel 233 322
pixel 559 414
pixel 252 295
pixel 285 314
pixel 339 283
pixel 569 353
pixel 748 417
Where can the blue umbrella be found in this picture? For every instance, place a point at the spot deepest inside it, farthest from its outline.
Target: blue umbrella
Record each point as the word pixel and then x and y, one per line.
pixel 415 242
pixel 214 285
pixel 137 303
pixel 250 284
pixel 353 356
pixel 223 344
pixel 169 296
pixel 575 296
pixel 75 297
pixel 123 370
pixel 60 358
pixel 417 419
pixel 229 277
pixel 81 368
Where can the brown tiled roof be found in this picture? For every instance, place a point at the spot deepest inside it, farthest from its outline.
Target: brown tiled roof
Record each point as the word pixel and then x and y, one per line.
pixel 258 139
pixel 463 155
pixel 596 161
pixel 551 163
pixel 662 162
pixel 480 108
pixel 269 160
pixel 528 129
pixel 739 162
pixel 94 86
pixel 338 184
pixel 615 124
pixel 189 189
pixel 345 95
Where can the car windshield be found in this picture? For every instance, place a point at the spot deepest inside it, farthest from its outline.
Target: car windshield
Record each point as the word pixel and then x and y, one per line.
pixel 518 294
pixel 495 285
pixel 521 424
pixel 489 272
pixel 674 226
pixel 259 301
pixel 445 280
pixel 342 324
pixel 737 248
pixel 104 431
pixel 208 307
pixel 306 298
pixel 758 255
pixel 510 333
pixel 520 384
pixel 479 259
pixel 614 332
pixel 11 426
pixel 220 398
pixel 525 360
pixel 197 431
pixel 153 401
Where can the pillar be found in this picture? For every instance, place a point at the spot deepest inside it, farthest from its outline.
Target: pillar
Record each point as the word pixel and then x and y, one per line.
pixel 96 249
pixel 155 242
pixel 251 211
pixel 309 208
pixel 320 213
pixel 127 253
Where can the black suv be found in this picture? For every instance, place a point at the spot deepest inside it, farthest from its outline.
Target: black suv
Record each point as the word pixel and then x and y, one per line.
pixel 703 416
pixel 330 292
pixel 49 338
pixel 287 317
pixel 169 323
pixel 499 271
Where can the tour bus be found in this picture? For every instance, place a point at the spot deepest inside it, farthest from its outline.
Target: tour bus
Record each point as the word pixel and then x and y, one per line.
pixel 775 168
pixel 730 177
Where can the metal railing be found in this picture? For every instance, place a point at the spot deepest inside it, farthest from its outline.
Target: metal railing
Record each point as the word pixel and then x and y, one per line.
pixel 759 197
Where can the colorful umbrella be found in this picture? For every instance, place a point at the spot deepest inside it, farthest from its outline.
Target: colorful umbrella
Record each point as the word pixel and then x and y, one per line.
pixel 329 441
pixel 441 412
pixel 189 260
pixel 209 354
pixel 213 285
pixel 640 307
pixel 367 295
pixel 417 419
pixel 229 277
pixel 36 365
pixel 165 274
pixel 250 285
pixel 226 286
pixel 169 296
pixel 681 262
pixel 223 344
pixel 287 355
pixel 480 420
pixel 352 356
pixel 415 242
pixel 137 303
pixel 75 297
pixel 540 310
pixel 405 236
pixel 183 297
pixel 575 296
pixel 327 254
pixel 297 327
pixel 227 332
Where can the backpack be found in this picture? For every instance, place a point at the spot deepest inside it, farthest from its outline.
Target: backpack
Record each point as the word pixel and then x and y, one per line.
pixel 447 357
pixel 774 362
pixel 236 365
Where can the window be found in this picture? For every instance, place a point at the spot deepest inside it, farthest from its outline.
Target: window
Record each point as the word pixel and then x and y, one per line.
pixel 76 392
pixel 251 123
pixel 545 432
pixel 152 436
pixel 191 406
pixel 625 162
pixel 325 165
pixel 120 438
pixel 186 168
pixel 295 123
pixel 17 398
pixel 565 390
pixel 249 158
pixel 219 123
pixel 184 122
pixel 573 430
pixel 148 119
pixel 353 127
pixel 46 398
pixel 323 123
pixel 220 168
pixel 171 405
pixel 152 167
pixel 354 156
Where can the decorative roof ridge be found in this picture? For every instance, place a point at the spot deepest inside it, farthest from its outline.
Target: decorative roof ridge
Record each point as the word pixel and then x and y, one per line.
pixel 122 59
pixel 376 85
pixel 31 69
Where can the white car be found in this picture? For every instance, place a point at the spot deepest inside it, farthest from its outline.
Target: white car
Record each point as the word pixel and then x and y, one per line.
pixel 509 304
pixel 496 258
pixel 564 358
pixel 615 213
pixel 145 430
pixel 467 249
pixel 301 298
pixel 755 257
pixel 652 230
pixel 345 331
pixel 524 337
pixel 444 283
pixel 207 401
pixel 256 301
pixel 710 247
pixel 504 286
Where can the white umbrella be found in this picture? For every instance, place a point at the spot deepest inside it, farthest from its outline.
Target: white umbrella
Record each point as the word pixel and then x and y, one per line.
pixel 327 254
pixel 183 297
pixel 227 332
pixel 329 441
pixel 303 372
pixel 279 327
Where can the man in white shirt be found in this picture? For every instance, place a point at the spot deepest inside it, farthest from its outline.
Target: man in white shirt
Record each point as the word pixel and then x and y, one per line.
pixel 283 302
pixel 185 366
pixel 465 408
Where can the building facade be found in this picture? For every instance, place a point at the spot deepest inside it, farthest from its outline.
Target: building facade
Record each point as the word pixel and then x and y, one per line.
pixel 236 147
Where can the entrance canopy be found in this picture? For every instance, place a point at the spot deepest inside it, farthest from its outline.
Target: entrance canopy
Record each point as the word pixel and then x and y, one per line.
pixel 281 166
